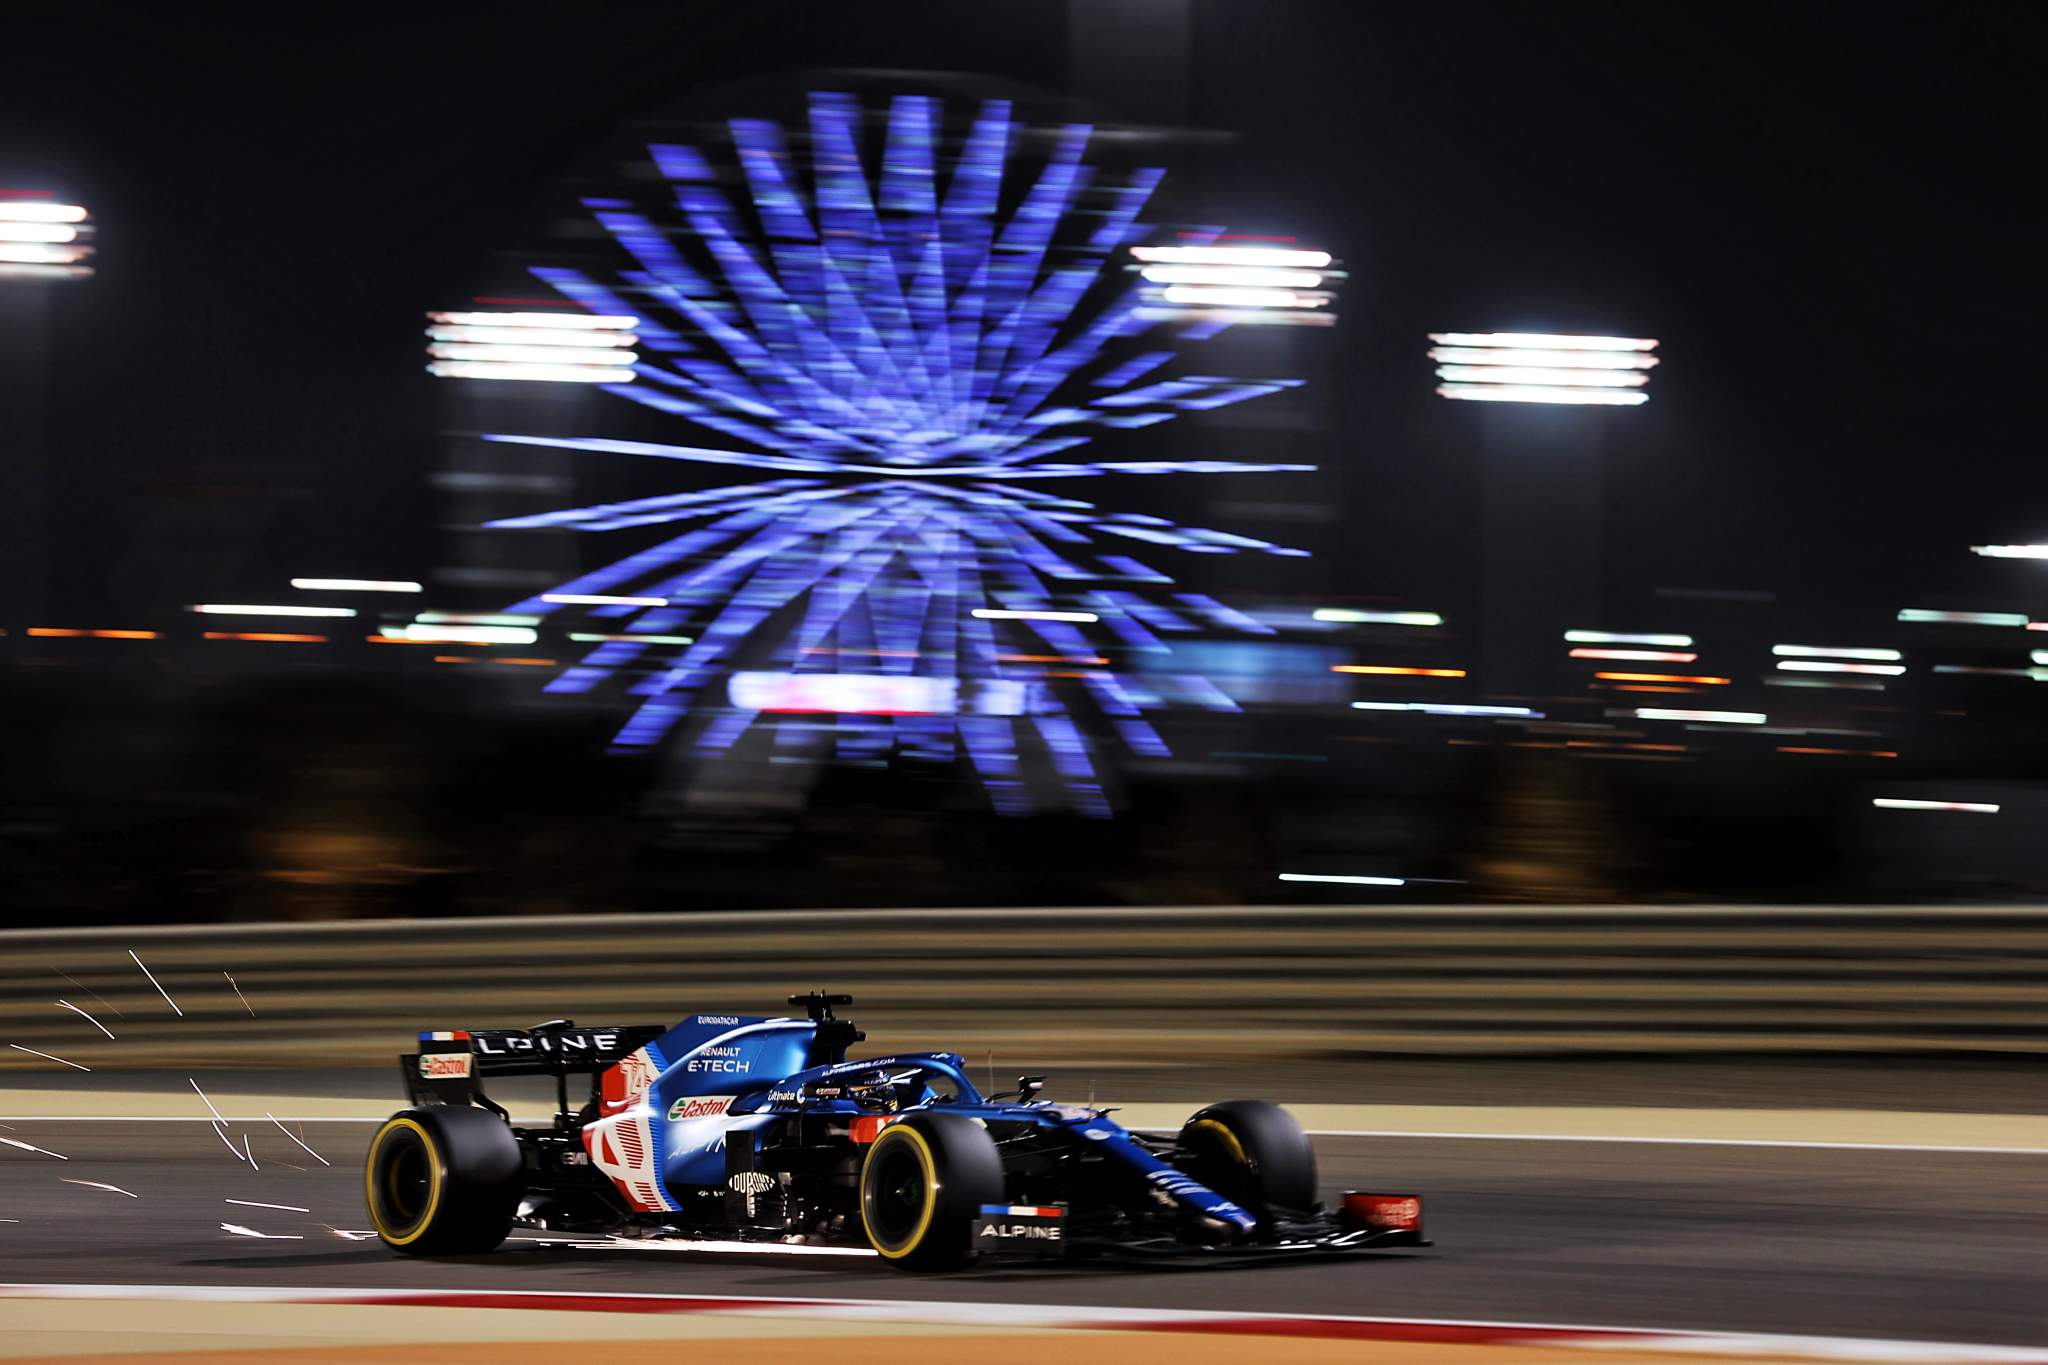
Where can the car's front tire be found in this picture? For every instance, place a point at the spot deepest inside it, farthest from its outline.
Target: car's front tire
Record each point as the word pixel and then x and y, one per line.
pixel 1253 1154
pixel 922 1184
pixel 443 1179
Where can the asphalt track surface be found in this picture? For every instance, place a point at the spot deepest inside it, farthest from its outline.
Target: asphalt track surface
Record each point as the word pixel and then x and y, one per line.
pixel 1851 1243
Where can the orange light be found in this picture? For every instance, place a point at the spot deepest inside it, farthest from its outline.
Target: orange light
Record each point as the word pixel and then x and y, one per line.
pixel 1658 748
pixel 1649 687
pixel 401 640
pixel 1386 671
pixel 1662 678
pixel 69 633
pixel 271 636
pixel 479 659
pixel 1854 753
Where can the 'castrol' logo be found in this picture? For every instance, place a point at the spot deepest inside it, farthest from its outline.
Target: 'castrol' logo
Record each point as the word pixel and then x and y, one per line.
pixel 699 1107
pixel 438 1066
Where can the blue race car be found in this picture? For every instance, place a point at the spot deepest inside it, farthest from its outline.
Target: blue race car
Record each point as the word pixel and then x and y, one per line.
pixel 744 1129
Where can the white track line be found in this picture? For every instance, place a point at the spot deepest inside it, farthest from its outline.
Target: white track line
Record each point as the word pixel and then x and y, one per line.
pixel 1639 1339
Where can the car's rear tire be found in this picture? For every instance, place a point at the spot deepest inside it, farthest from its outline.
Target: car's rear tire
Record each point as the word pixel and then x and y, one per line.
pixel 442 1180
pixel 922 1184
pixel 1253 1154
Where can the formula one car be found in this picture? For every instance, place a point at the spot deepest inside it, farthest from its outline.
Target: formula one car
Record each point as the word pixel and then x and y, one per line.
pixel 741 1129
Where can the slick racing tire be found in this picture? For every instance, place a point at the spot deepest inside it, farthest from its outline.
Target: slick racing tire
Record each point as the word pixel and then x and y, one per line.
pixel 1252 1153
pixel 922 1184
pixel 443 1179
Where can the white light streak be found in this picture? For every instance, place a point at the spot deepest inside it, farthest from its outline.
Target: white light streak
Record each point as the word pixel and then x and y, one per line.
pixel 693 1246
pixel 1232 255
pixel 220 1131
pixel 1569 360
pixel 1349 616
pixel 2011 551
pixel 530 355
pixel 253 1204
pixel 1648 656
pixel 344 1233
pixel 99 1185
pixel 1962 618
pixel 1245 277
pixel 66 1004
pixel 1431 708
pixel 31 1147
pixel 156 983
pixel 39 211
pixel 41 253
pixel 563 321
pixel 1605 637
pixel 58 232
pixel 1902 803
pixel 2040 656
pixel 1542 341
pixel 1829 666
pixel 466 618
pixel 1527 393
pixel 218 1117
pixel 75 1066
pixel 356 585
pixel 1827 652
pixel 586 599
pixel 1516 374
pixel 1207 297
pixel 998 614
pixel 248 609
pixel 241 997
pixel 302 1146
pixel 471 635
pixel 1347 881
pixel 248 1154
pixel 1716 717
pixel 241 1231
pixel 544 374
pixel 584 638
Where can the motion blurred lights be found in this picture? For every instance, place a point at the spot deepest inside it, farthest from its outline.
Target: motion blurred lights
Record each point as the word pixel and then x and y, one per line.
pixel 1831 666
pixel 1902 803
pixel 1712 717
pixel 1529 367
pixel 246 609
pixel 1234 284
pixel 468 635
pixel 589 599
pixel 41 239
pixel 1827 652
pixel 1348 616
pixel 2011 551
pixel 355 585
pixel 875 694
pixel 1645 656
pixel 1915 615
pixel 554 348
pixel 1344 881
pixel 1000 614
pixel 1431 708
pixel 1603 637
pixel 1388 670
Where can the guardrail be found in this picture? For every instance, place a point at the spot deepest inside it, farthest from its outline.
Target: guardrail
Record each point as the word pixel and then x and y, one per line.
pixel 1065 986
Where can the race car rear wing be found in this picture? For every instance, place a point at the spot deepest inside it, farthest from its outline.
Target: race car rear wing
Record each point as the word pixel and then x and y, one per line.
pixel 449 1066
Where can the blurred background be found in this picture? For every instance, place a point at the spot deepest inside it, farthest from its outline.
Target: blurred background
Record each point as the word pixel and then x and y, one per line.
pixel 1771 628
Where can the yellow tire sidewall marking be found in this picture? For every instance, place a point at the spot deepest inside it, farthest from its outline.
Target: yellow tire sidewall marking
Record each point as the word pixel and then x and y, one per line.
pixel 434 1181
pixel 899 1135
pixel 1228 1138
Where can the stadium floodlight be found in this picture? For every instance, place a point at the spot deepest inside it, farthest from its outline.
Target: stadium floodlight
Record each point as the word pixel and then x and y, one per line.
pixel 1712 717
pixel 552 348
pixel 1235 284
pixel 1831 666
pixel 1906 803
pixel 1342 881
pixel 1535 367
pixel 253 609
pixel 41 239
pixel 2011 551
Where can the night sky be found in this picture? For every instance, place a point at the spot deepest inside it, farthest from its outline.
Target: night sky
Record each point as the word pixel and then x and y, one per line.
pixel 1819 209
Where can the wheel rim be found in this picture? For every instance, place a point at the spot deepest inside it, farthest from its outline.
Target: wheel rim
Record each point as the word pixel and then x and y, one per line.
pixel 897 1196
